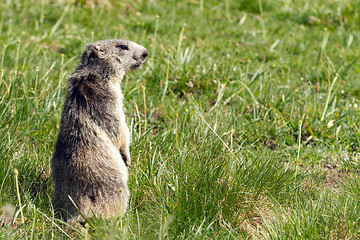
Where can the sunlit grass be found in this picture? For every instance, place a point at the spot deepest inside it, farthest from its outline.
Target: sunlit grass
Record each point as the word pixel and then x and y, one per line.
pixel 244 119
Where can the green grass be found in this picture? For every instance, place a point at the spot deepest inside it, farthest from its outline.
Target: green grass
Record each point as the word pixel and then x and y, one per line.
pixel 244 119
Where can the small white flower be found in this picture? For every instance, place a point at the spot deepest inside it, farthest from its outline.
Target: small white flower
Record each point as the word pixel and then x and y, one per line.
pixel 330 123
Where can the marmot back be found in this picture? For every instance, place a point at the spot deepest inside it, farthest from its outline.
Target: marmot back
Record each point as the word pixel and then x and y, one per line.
pixel 91 158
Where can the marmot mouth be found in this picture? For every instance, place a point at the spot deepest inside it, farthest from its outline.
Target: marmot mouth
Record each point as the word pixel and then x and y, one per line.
pixel 135 66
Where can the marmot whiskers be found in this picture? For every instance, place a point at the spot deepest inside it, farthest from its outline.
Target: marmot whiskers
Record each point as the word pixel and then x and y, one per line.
pixel 91 159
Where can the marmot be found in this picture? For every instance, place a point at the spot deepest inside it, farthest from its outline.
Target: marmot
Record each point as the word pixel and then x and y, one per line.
pixel 91 159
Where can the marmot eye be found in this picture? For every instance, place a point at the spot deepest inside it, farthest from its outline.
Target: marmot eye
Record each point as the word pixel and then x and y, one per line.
pixel 123 47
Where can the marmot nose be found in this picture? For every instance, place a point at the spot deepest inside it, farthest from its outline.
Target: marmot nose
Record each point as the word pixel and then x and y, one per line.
pixel 145 54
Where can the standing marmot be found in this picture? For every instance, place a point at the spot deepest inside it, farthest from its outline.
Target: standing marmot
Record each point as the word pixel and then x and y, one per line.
pixel 91 159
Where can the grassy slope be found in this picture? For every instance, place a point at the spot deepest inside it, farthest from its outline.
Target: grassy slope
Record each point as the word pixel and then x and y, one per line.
pixel 245 119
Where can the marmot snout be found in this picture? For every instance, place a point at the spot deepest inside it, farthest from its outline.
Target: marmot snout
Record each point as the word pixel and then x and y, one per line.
pixel 91 158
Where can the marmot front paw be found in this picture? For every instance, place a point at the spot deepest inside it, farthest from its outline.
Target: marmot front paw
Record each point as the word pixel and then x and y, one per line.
pixel 126 157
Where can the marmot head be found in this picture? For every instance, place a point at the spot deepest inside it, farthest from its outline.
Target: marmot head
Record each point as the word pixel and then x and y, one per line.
pixel 121 56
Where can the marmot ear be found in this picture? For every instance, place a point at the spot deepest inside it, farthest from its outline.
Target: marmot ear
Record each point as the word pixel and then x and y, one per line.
pixel 93 50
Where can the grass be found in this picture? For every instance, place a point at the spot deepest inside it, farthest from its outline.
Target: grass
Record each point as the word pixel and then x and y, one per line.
pixel 244 119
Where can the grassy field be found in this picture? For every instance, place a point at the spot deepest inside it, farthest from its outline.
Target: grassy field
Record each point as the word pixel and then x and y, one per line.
pixel 244 119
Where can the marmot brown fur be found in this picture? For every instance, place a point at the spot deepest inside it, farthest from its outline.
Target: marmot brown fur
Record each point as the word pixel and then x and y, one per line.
pixel 91 159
